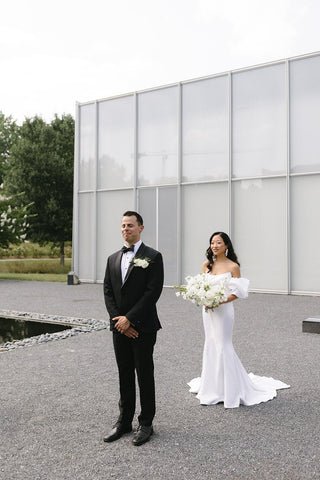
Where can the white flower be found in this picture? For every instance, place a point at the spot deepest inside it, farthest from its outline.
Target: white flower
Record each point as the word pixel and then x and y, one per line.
pixel 141 262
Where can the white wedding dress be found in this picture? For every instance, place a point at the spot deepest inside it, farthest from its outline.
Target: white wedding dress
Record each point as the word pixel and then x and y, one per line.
pixel 223 377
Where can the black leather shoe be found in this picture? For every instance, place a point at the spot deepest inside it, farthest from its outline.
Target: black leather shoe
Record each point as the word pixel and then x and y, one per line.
pixel 118 430
pixel 142 435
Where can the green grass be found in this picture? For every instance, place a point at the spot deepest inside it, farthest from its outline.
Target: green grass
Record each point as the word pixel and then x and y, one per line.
pixel 43 270
pixel 35 277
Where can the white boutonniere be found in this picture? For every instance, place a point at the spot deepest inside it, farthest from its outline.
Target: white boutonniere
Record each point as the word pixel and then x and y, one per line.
pixel 141 262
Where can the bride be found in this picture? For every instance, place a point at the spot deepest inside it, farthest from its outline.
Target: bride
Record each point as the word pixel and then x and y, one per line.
pixel 223 377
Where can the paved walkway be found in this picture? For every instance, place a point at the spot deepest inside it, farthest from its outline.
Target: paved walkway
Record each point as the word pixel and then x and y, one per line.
pixel 57 400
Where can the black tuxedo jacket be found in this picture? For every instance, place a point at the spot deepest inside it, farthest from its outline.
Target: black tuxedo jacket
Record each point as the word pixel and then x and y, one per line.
pixel 137 296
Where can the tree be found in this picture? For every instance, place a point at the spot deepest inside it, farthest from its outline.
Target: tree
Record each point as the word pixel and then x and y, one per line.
pixel 41 166
pixel 14 218
pixel 13 209
pixel 9 132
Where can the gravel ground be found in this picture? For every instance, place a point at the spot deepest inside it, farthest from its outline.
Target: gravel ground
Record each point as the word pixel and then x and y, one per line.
pixel 58 399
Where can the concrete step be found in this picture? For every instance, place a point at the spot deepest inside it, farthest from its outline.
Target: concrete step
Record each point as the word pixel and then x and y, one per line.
pixel 311 325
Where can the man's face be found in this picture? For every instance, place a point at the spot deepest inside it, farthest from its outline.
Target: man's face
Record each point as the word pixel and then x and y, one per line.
pixel 131 230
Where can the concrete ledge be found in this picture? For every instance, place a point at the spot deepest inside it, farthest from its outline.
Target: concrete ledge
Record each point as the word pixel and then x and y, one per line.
pixel 311 325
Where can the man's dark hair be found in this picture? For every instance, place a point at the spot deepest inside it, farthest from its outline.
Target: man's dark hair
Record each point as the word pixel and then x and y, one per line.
pixel 130 213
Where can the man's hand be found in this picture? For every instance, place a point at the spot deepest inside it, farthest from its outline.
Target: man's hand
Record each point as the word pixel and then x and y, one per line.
pixel 124 326
pixel 131 333
pixel 122 323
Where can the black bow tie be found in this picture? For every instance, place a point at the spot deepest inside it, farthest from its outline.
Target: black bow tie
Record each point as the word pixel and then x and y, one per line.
pixel 125 249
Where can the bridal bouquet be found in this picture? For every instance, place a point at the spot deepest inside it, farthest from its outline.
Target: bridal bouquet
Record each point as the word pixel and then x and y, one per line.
pixel 203 289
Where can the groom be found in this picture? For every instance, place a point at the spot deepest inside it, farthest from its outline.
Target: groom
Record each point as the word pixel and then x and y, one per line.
pixel 132 285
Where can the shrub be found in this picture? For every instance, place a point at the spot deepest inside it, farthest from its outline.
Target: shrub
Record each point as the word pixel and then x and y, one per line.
pixel 34 250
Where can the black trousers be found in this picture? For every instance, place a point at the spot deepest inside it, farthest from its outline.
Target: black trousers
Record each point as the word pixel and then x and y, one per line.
pixel 135 355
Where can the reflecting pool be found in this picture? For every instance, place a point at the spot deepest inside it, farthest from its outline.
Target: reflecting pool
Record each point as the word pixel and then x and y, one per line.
pixel 13 329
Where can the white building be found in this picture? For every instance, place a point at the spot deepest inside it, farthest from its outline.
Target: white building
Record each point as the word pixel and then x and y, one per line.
pixel 237 152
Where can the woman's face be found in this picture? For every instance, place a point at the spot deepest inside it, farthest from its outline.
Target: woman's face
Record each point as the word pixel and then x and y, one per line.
pixel 218 246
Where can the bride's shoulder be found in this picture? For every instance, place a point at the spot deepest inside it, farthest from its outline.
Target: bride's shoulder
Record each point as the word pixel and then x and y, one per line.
pixel 205 266
pixel 234 269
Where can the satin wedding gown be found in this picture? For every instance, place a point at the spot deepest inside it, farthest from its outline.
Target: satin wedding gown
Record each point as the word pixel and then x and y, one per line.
pixel 223 377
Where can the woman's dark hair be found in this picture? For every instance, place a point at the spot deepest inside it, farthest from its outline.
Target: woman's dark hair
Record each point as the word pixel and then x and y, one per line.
pixel 231 253
pixel 131 213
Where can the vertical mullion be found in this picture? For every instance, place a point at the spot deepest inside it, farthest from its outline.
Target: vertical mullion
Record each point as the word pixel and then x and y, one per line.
pixel 95 196
pixel 157 218
pixel 135 152
pixel 76 188
pixel 230 212
pixel 288 209
pixel 179 191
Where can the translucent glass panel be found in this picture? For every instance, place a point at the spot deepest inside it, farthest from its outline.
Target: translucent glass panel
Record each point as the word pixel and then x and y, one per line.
pixel 204 211
pixel 116 143
pixel 158 136
pixel 259 232
pixel 147 205
pixel 167 232
pixel 86 246
pixel 158 207
pixel 305 233
pixel 305 115
pixel 205 129
pixel 259 122
pixel 87 147
pixel 111 206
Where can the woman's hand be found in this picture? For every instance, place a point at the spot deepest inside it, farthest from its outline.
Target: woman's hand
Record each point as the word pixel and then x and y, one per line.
pixel 229 299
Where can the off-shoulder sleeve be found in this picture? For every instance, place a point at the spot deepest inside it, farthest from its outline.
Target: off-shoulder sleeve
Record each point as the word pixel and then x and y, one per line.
pixel 238 287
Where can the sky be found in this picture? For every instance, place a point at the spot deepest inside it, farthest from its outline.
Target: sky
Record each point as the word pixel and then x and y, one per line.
pixel 54 54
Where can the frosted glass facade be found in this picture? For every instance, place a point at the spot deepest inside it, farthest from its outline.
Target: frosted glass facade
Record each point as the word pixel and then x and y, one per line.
pixel 237 152
pixel 86 260
pixel 115 143
pixel 87 148
pixel 259 231
pixel 305 231
pixel 259 122
pixel 205 130
pixel 200 218
pixel 110 207
pixel 158 136
pixel 305 115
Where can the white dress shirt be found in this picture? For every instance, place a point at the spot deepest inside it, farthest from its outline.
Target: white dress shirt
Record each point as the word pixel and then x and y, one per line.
pixel 127 259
